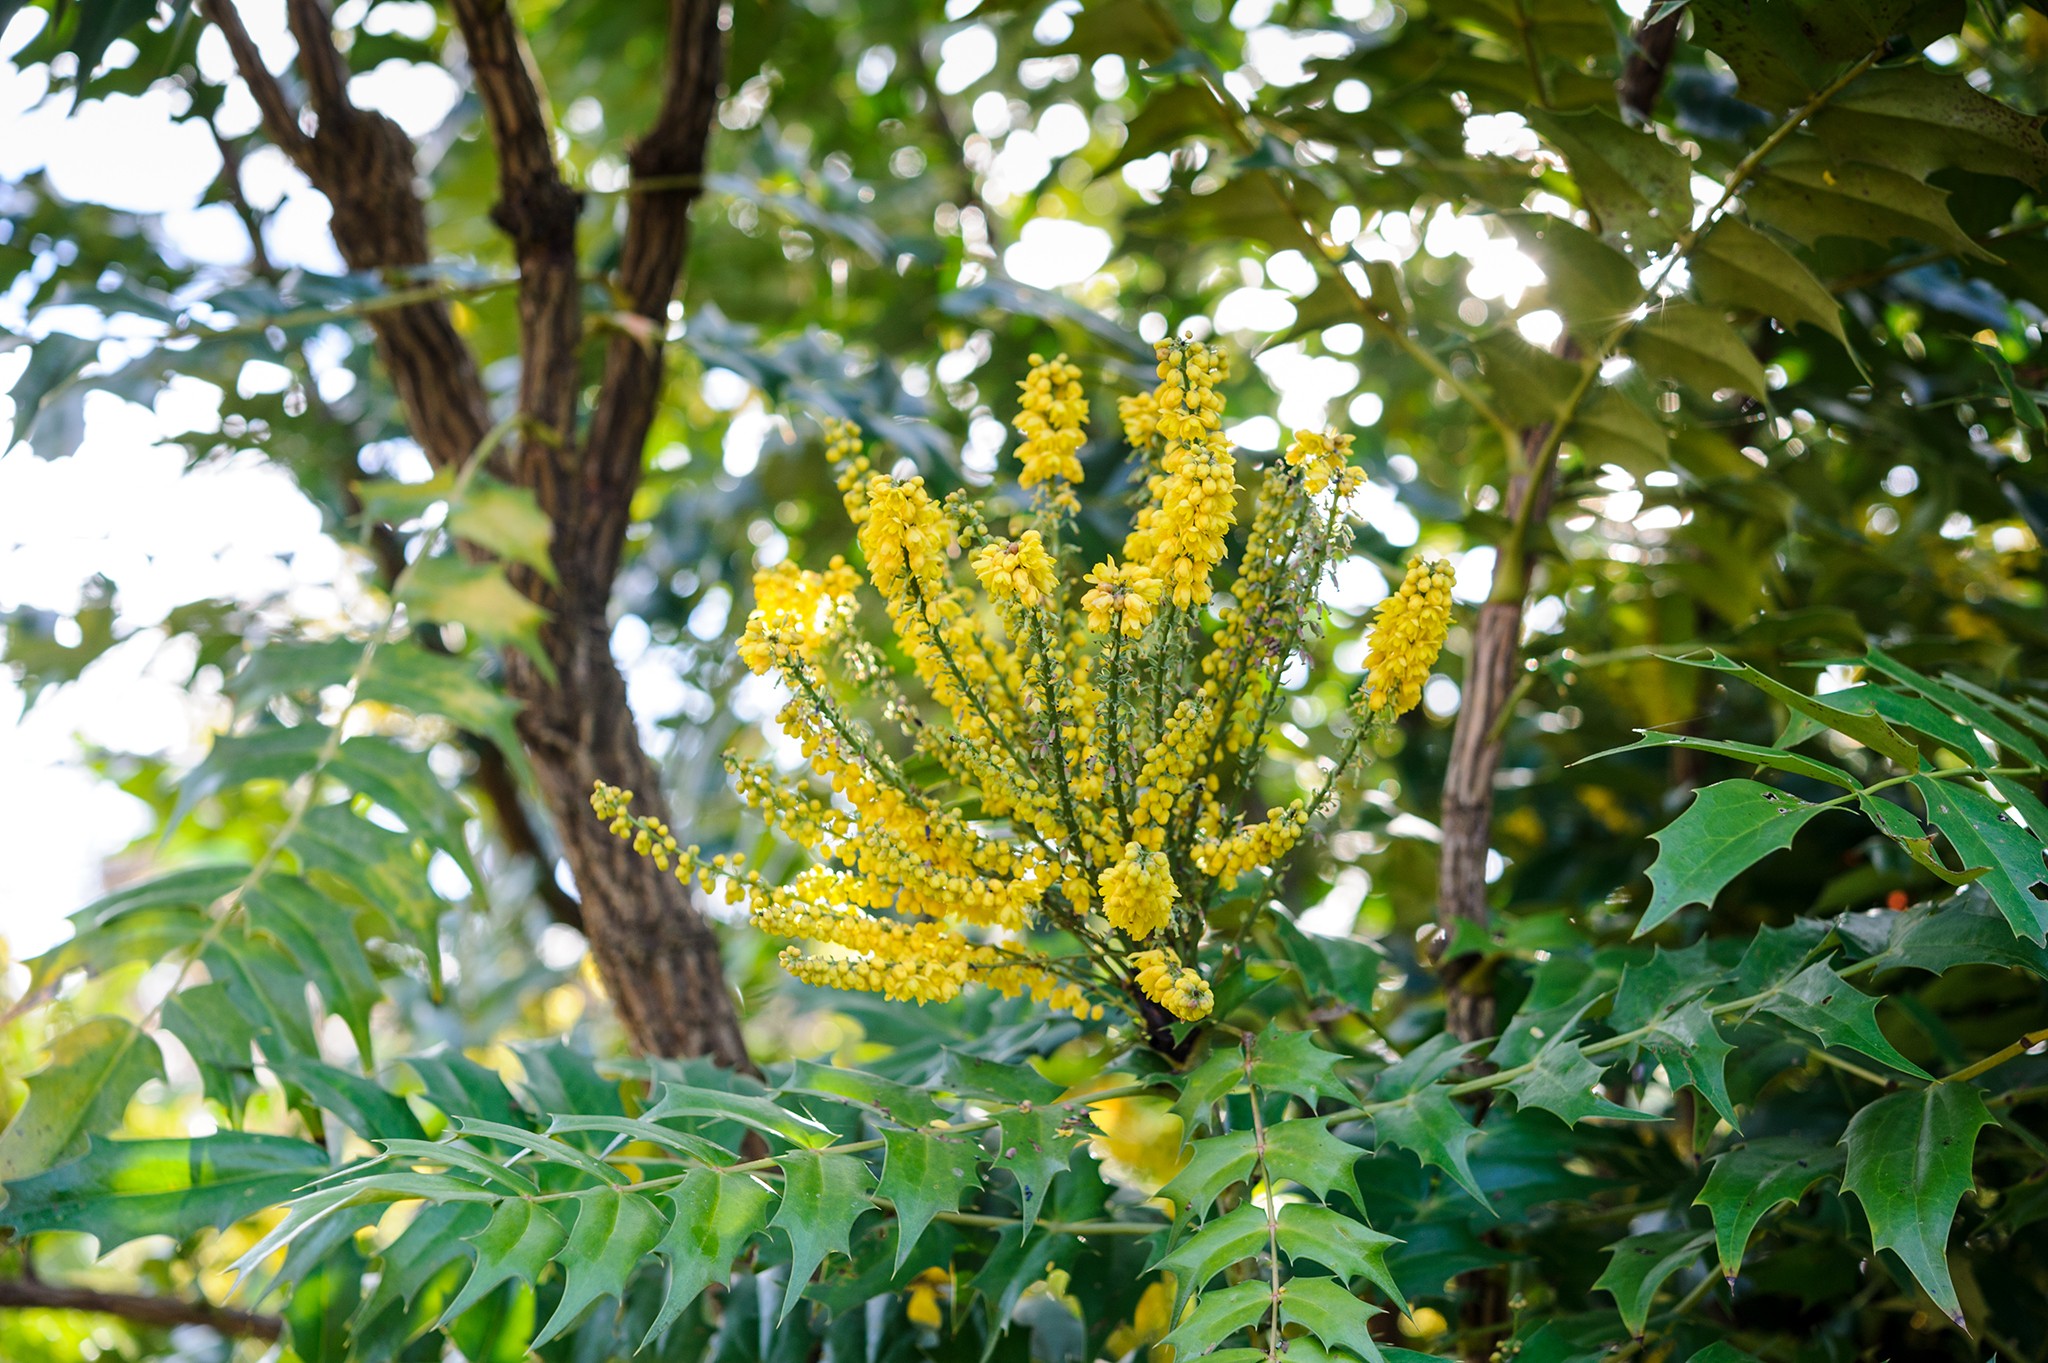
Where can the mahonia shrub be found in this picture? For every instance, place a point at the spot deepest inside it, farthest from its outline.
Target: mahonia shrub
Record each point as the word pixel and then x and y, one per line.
pixel 1058 811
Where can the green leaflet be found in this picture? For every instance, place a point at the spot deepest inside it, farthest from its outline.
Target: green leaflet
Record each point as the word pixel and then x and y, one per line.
pixel 1985 835
pixel 1695 345
pixel 1216 1245
pixel 683 1100
pixel 1868 729
pixel 505 520
pixel 1564 1082
pixel 490 1169
pixel 1737 266
pixel 1811 195
pixel 682 1142
pixel 1307 1152
pixel 1034 1146
pixel 1590 282
pixel 317 1312
pixel 121 1190
pixel 898 1103
pixel 521 1240
pixel 1652 988
pixel 715 1216
pixel 433 1242
pixel 1728 827
pixel 1640 1266
pixel 1219 1315
pixel 924 1174
pixel 547 1147
pixel 320 935
pixel 1291 1062
pixel 1692 1051
pixel 1968 930
pixel 1221 1071
pixel 344 856
pixel 94 1070
pixel 1346 1246
pixel 1214 1163
pixel 1909 1161
pixel 1429 1123
pixel 1897 822
pixel 1777 759
pixel 461 1087
pixel 822 1196
pixel 1748 1181
pixel 476 596
pixel 1919 120
pixel 613 1232
pixel 1326 1308
pixel 1631 182
pixel 1819 1001
pixel 1018 1083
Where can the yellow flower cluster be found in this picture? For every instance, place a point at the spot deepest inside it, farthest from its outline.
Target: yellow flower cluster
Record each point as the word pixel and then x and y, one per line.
pixel 1121 599
pixel 1408 632
pixel 1179 990
pixel 1016 767
pixel 1017 570
pixel 1050 418
pixel 1180 534
pixel 1138 892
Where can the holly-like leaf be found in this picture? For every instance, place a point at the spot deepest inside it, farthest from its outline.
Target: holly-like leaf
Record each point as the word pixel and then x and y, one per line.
pixel 1651 988
pixel 1565 1082
pixel 822 1196
pixel 899 1103
pixel 121 1190
pixel 1593 285
pixel 1696 346
pixel 1310 1154
pixel 1327 1309
pixel 1819 1001
pixel 1236 1235
pixel 1214 1164
pixel 1814 196
pixel 1346 1246
pixel 1909 1161
pixel 1737 266
pixel 683 1100
pixel 1692 1051
pixel 716 1214
pixel 1728 828
pixel 1918 120
pixel 614 1230
pixel 1898 823
pixel 1641 1264
pixel 925 1173
pixel 94 1070
pixel 1431 1125
pixel 1219 1315
pixel 320 936
pixel 1632 183
pixel 1748 1181
pixel 1968 930
pixel 1775 758
pixel 1986 836
pixel 1035 1147
pixel 521 1239
pixel 1290 1062
pixel 1017 1083
pixel 1221 1071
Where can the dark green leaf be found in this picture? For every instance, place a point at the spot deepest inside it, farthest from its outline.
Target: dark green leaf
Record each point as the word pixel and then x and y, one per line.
pixel 1737 266
pixel 1565 1082
pixel 1984 835
pixel 1641 1264
pixel 1346 1246
pixel 899 1103
pixel 1431 1125
pixel 1909 1161
pixel 715 1216
pixel 1728 828
pixel 1325 1308
pixel 521 1240
pixel 1219 1315
pixel 1692 1051
pixel 1819 1001
pixel 1748 1181
pixel 122 1190
pixel 925 1173
pixel 822 1196
pixel 614 1230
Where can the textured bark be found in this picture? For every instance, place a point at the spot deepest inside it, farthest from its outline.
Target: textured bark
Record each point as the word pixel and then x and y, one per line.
pixel 655 952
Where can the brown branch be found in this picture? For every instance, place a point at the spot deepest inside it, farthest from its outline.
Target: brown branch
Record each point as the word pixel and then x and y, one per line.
pixel 538 210
pixel 163 1312
pixel 650 265
pixel 1649 61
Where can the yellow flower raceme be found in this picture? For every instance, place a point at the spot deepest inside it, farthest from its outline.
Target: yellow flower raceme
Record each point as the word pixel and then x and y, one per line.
pixel 1257 845
pixel 1122 598
pixel 1138 892
pixel 904 535
pixel 1179 990
pixel 1050 418
pixel 1408 632
pixel 1180 535
pixel 796 609
pixel 1017 570
pixel 1324 457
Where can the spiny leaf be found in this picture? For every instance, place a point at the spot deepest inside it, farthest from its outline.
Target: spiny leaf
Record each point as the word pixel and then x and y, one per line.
pixel 1909 1161
pixel 1214 1163
pixel 1985 835
pixel 1326 1308
pixel 1612 428
pixel 1593 285
pixel 462 1088
pixel 121 1190
pixel 899 1103
pixel 1918 120
pixel 1737 266
pixel 1219 1315
pixel 1814 196
pixel 1692 1051
pixel 1431 1125
pixel 1898 823
pixel 1221 1071
pixel 1651 988
pixel 1964 699
pixel 1018 1083
pixel 1775 758
pixel 1748 1181
pixel 1291 1062
pixel 1236 1235
pixel 1565 1082
pixel 683 1100
pixel 1696 346
pixel 1640 1266
pixel 1819 1001
pixel 1968 930
pixel 716 1215
pixel 1310 1154
pixel 94 1070
pixel 363 1105
pixel 320 936
pixel 1632 183
pixel 653 1133
pixel 522 1239
pixel 924 1174
pixel 614 1230
pixel 1728 828
pixel 547 1147
pixel 1342 1244
pixel 822 1196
